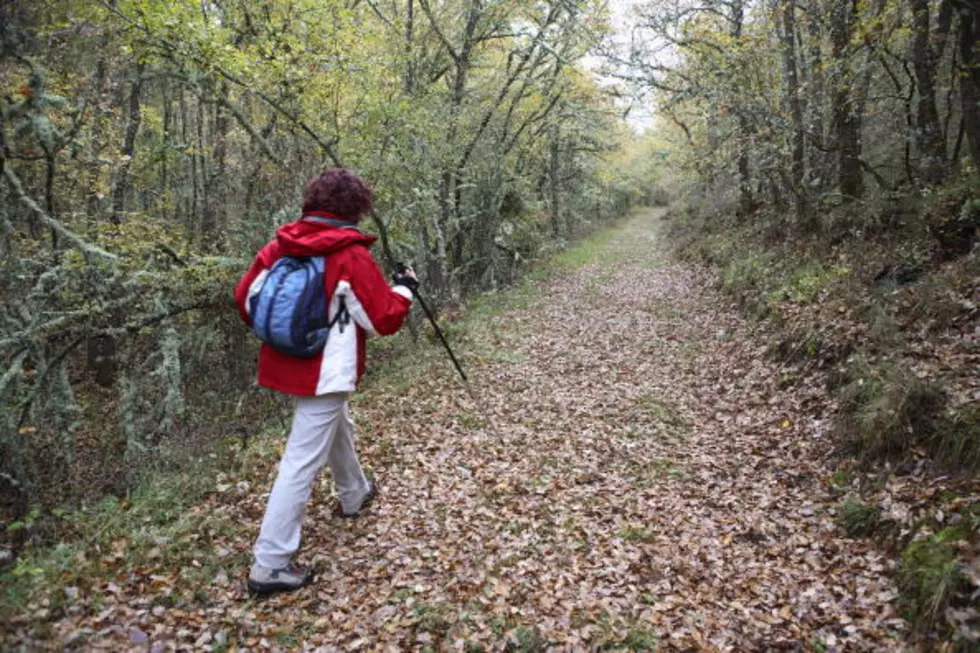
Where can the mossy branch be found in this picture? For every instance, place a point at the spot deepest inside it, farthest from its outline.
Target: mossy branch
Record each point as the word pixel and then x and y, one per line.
pixel 87 248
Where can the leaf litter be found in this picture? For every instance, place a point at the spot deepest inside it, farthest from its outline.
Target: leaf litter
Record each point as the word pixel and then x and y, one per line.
pixel 652 486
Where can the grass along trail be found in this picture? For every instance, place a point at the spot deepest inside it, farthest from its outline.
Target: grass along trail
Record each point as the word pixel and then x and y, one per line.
pixel 654 487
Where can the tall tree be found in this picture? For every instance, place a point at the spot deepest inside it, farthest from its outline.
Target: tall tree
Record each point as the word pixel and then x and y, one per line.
pixel 846 121
pixel 134 117
pixel 797 138
pixel 928 47
pixel 968 12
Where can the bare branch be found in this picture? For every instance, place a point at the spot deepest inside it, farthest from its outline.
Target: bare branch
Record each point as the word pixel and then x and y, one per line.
pixel 435 27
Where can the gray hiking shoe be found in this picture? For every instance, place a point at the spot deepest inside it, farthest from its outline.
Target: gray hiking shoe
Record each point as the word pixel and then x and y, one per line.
pixel 264 581
pixel 338 510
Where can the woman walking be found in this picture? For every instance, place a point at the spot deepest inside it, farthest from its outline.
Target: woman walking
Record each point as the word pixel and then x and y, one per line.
pixel 358 302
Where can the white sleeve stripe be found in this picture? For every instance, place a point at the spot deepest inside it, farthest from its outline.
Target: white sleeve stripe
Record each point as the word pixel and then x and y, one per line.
pixel 354 307
pixel 404 292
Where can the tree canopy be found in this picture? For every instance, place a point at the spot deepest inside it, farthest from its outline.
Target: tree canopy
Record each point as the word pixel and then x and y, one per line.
pixel 802 105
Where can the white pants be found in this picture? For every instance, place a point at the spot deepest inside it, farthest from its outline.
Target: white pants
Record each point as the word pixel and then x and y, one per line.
pixel 322 432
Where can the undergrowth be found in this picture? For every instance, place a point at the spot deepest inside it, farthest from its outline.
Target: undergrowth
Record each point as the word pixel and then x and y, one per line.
pixel 859 519
pixel 855 300
pixel 867 298
pixel 885 410
pixel 155 520
pixel 931 576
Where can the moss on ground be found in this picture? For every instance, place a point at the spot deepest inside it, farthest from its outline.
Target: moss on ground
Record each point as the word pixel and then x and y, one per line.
pixel 930 576
pixel 859 519
pixel 885 410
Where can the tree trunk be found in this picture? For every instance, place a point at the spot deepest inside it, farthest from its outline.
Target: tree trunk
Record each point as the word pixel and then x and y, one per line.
pixel 846 123
pixel 206 224
pixel 925 61
pixel 217 198
pixel 440 280
pixel 746 205
pixel 94 168
pixel 101 358
pixel 409 56
pixel 450 178
pixel 798 189
pixel 969 14
pixel 134 117
pixel 816 170
pixel 164 163
pixel 183 202
pixel 558 226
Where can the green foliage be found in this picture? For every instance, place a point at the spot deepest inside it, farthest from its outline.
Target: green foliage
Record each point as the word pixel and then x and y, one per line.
pixel 746 273
pixel 857 518
pixel 593 250
pixel 762 277
pixel 637 638
pixel 27 522
pixel 640 639
pixel 885 410
pixel 527 639
pixel 929 576
pixel 804 282
pixel 747 276
pixel 433 618
pixel 632 534
pixel 30 114
pixel 956 438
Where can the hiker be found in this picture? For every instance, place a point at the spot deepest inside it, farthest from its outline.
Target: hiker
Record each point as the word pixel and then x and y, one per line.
pixel 319 375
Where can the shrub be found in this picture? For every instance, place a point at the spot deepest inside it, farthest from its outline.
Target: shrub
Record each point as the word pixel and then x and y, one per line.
pixel 885 410
pixel 745 272
pixel 929 577
pixel 956 439
pixel 527 640
pixel 803 283
pixel 859 519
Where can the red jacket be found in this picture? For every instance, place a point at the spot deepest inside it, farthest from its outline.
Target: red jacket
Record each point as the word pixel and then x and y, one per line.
pixel 351 273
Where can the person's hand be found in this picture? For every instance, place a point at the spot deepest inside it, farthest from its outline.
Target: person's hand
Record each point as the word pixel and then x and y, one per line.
pixel 405 276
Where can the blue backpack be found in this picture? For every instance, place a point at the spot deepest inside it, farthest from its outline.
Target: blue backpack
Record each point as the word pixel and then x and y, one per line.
pixel 289 312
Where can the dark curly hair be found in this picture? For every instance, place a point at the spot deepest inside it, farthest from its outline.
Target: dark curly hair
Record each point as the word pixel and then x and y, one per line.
pixel 340 192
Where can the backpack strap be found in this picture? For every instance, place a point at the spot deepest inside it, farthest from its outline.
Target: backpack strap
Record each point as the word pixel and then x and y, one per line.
pixel 342 318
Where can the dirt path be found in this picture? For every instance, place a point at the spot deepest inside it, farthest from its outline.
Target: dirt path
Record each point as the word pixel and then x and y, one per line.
pixel 653 487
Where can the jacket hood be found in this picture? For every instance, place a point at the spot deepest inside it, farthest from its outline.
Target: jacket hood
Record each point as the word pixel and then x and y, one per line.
pixel 309 238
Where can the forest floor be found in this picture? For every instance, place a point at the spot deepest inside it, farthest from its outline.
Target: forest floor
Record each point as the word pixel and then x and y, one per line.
pixel 643 482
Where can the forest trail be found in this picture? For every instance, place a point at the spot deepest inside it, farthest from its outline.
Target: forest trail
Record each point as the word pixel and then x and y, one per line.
pixel 654 487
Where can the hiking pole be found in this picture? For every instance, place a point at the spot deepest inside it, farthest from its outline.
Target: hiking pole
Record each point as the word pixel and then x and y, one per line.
pixel 401 267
